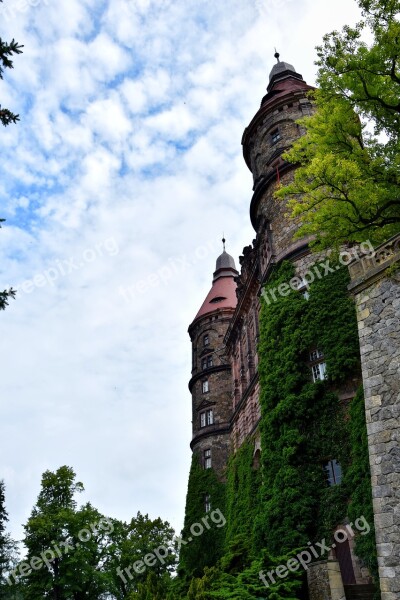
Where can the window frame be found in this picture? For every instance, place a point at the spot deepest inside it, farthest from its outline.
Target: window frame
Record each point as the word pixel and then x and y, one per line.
pixel 207 458
pixel 275 136
pixel 333 472
pixel 317 365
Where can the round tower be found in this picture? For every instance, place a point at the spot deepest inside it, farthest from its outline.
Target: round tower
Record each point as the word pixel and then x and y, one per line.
pixel 210 384
pixel 270 133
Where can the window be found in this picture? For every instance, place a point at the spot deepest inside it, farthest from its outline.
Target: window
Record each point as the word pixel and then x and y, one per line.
pixel 217 299
pixel 318 369
pixel 207 458
pixel 207 503
pixel 206 418
pixel 206 340
pixel 204 386
pixel 275 136
pixel 333 472
pixel 207 362
pixel 303 289
pixel 316 355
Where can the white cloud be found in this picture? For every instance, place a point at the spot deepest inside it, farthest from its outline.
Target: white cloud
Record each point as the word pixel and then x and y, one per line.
pixel 131 121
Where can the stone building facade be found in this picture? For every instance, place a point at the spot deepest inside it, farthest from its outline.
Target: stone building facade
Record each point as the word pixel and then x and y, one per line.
pixel 376 287
pixel 227 324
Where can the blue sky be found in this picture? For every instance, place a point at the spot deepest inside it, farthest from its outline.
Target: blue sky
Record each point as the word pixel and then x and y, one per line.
pixel 117 184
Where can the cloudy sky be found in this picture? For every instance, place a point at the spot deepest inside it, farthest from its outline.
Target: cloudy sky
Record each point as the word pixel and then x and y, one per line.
pixel 117 184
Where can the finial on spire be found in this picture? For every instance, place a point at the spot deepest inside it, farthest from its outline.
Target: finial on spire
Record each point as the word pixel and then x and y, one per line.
pixel 277 55
pixel 223 240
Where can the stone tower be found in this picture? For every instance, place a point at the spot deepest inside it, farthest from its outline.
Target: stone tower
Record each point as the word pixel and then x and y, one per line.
pixel 271 131
pixel 210 384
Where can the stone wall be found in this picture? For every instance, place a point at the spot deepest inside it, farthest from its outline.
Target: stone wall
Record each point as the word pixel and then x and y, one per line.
pixel 376 287
pixel 325 581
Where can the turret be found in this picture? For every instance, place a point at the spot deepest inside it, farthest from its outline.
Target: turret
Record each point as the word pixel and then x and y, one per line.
pixel 210 384
pixel 269 134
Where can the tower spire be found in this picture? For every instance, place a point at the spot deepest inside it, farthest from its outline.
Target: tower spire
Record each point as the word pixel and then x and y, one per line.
pixel 223 241
pixel 277 55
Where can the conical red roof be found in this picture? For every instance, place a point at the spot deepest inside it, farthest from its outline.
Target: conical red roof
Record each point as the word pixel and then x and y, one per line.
pixel 223 291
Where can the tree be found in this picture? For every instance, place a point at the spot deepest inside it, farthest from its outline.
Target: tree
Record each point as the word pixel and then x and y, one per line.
pixel 346 188
pixel 142 538
pixel 7 50
pixel 78 553
pixel 8 548
pixel 66 546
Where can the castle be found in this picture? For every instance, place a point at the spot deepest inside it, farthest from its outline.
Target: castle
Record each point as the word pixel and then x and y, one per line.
pixel 225 333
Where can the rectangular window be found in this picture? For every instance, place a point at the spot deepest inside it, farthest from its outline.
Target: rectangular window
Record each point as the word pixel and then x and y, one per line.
pixel 319 371
pixel 204 364
pixel 316 355
pixel 333 472
pixel 275 136
pixel 207 459
pixel 206 418
pixel 209 361
pixel 207 503
pixel 204 386
pixel 206 340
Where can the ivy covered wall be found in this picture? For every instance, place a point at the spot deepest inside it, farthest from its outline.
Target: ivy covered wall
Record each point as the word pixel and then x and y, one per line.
pixel 278 509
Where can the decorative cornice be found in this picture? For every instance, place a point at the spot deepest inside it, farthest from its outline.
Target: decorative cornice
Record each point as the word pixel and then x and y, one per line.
pixel 367 270
pixel 206 372
pixel 210 431
pixel 225 312
pixel 269 108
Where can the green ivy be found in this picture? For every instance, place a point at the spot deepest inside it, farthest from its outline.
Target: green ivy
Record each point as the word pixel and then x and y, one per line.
pixel 303 423
pixel 202 551
pixel 242 505
pixel 277 509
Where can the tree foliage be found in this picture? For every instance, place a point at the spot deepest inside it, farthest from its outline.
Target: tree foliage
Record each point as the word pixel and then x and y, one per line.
pixel 346 187
pixel 87 553
pixel 130 543
pixel 7 50
pixel 8 548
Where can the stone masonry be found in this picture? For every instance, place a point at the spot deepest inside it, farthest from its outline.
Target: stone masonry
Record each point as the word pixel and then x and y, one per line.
pixel 376 287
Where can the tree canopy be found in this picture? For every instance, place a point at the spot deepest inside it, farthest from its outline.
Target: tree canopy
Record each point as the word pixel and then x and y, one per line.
pixel 346 187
